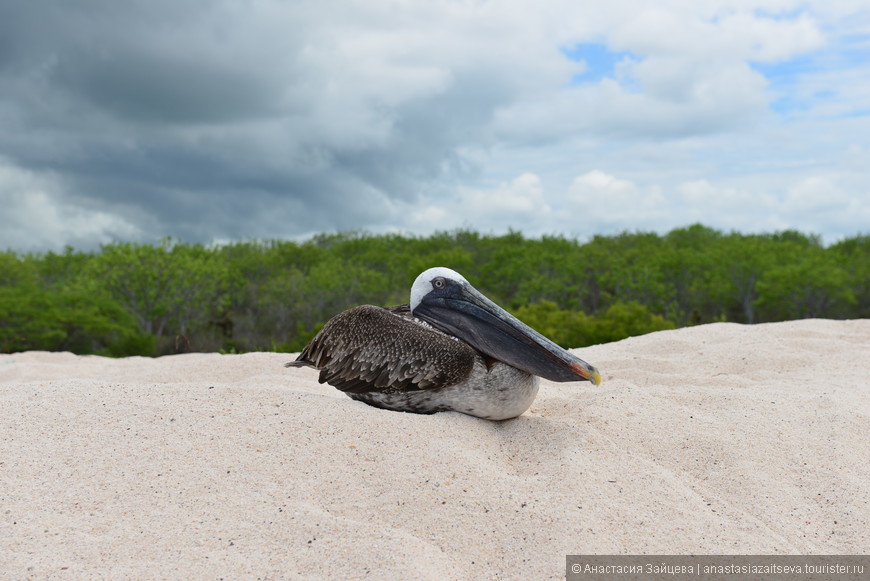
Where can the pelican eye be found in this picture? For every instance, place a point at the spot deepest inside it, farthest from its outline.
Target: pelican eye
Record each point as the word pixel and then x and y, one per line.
pixel 438 282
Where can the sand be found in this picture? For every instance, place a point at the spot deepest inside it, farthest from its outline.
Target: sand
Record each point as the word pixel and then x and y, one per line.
pixel 721 439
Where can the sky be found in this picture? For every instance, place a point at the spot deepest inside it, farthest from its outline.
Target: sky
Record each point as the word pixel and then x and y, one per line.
pixel 211 121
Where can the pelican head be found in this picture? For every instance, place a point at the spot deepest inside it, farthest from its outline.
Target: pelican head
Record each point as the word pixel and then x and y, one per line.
pixel 444 299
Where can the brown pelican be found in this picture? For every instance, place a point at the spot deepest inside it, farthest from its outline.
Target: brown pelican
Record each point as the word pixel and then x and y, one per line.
pixel 450 349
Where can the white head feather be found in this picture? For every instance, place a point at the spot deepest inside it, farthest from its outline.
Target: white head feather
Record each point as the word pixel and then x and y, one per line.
pixel 423 285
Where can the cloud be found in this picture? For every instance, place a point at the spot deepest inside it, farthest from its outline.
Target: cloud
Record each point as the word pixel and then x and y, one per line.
pixel 273 119
pixel 519 203
pixel 609 203
pixel 807 204
pixel 522 196
pixel 823 200
pixel 682 75
pixel 37 214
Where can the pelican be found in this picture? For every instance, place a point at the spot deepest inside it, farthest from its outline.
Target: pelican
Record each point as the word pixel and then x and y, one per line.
pixel 451 349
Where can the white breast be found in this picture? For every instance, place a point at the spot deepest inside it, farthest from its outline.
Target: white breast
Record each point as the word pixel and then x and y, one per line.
pixel 500 393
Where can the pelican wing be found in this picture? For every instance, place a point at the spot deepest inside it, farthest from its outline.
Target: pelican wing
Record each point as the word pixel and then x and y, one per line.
pixel 370 348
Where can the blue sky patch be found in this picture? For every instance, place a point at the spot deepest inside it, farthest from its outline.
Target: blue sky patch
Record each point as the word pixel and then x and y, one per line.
pixel 600 61
pixel 783 78
pixel 786 77
pixel 785 71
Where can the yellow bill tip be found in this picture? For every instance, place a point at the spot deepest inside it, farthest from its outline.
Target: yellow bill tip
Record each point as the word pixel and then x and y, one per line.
pixel 586 371
pixel 595 377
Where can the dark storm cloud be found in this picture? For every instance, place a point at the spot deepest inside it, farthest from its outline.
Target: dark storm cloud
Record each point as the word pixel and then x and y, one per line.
pixel 134 62
pixel 166 88
pixel 208 120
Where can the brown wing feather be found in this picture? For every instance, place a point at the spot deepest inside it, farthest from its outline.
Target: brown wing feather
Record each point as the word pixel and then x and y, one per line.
pixel 370 348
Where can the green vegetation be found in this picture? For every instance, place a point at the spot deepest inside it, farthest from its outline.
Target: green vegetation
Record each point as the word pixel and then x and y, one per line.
pixel 131 299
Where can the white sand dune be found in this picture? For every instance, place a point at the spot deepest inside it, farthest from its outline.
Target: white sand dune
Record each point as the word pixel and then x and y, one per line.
pixel 715 439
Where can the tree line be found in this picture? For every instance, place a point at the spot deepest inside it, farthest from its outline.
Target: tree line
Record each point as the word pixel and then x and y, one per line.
pixel 142 299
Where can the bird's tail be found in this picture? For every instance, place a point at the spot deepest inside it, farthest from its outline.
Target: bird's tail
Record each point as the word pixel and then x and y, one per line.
pixel 300 363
